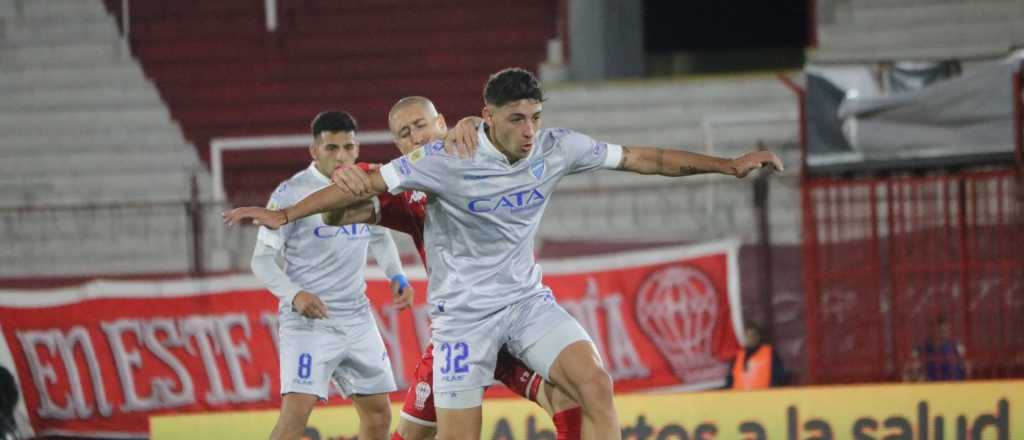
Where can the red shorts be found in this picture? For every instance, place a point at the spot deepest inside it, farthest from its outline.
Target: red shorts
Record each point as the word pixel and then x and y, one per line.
pixel 419 398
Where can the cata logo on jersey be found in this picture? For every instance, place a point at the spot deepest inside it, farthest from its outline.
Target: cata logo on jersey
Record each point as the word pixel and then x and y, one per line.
pixel 513 202
pixel 358 230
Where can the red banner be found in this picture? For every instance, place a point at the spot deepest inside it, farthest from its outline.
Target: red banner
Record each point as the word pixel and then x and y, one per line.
pixel 99 359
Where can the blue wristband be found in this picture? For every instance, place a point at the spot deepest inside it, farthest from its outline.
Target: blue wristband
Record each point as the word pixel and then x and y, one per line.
pixel 402 281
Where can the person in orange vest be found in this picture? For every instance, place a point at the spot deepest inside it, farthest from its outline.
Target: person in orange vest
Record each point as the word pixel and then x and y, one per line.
pixel 756 365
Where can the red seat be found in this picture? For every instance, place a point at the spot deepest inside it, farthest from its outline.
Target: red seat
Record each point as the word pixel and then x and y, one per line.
pixel 222 74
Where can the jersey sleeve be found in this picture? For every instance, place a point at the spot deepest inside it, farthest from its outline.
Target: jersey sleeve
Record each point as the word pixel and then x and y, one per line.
pixel 584 154
pixel 275 238
pixel 427 168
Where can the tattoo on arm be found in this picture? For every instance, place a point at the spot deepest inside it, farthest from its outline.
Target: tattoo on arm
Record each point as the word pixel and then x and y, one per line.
pixel 661 161
pixel 687 170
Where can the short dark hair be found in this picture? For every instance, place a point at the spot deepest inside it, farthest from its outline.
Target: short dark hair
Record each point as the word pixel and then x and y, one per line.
pixel 333 121
pixel 512 84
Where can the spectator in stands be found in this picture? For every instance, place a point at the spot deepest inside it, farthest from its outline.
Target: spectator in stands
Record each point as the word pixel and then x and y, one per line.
pixel 913 370
pixel 756 365
pixel 944 357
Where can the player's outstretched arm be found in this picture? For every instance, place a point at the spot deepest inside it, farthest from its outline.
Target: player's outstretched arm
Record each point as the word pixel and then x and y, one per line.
pixel 329 198
pixel 353 179
pixel 361 212
pixel 675 163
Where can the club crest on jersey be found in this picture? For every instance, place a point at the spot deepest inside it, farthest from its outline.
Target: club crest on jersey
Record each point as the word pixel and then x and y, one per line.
pixel 422 393
pixel 416 155
pixel 537 168
pixel 513 202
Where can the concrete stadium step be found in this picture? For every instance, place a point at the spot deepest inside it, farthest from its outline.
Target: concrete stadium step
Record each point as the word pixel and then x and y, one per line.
pixel 929 53
pixel 903 15
pixel 664 115
pixel 171 184
pixel 127 75
pixel 127 141
pixel 79 163
pixel 96 121
pixel 894 3
pixel 932 35
pixel 640 95
pixel 121 98
pixel 65 55
pixel 664 219
pixel 8 10
pixel 58 30
pixel 110 226
pixel 122 261
pixel 65 8
pixel 731 138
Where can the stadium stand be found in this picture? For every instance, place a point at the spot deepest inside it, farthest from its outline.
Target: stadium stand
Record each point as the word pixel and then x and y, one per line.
pixel 890 30
pixel 81 124
pixel 673 113
pixel 108 114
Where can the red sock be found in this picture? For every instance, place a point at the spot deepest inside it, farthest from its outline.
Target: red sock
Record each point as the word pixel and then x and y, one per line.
pixel 396 436
pixel 569 424
pixel 517 376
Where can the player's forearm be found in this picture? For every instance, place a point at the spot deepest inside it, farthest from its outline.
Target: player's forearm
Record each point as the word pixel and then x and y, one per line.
pixel 363 212
pixel 329 198
pixel 265 268
pixel 334 217
pixel 674 163
pixel 385 252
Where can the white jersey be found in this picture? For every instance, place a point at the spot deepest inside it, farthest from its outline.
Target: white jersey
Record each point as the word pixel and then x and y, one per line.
pixel 328 261
pixel 480 227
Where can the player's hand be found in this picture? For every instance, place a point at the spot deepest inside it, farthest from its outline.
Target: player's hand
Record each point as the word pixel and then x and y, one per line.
pixel 402 292
pixel 309 305
pixel 354 180
pixel 259 216
pixel 461 140
pixel 743 165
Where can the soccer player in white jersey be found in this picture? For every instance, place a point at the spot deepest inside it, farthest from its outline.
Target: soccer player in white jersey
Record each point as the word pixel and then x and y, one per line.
pixel 414 122
pixel 326 330
pixel 485 287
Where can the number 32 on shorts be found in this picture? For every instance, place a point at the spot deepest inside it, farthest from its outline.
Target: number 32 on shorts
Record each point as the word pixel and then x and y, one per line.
pixel 455 358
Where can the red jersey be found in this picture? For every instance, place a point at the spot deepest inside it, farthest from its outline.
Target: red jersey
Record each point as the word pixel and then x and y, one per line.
pixel 404 212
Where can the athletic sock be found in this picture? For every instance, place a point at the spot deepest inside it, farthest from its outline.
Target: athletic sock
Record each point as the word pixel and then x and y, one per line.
pixel 517 376
pixel 569 424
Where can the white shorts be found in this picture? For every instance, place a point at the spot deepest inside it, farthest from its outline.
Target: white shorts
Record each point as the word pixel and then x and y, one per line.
pixel 351 352
pixel 465 354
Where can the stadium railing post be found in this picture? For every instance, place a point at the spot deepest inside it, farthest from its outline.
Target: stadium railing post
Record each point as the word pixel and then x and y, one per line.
pixel 195 215
pixel 809 243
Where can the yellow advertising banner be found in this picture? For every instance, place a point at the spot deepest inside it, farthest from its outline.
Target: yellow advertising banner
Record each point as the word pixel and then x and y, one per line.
pixel 949 411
